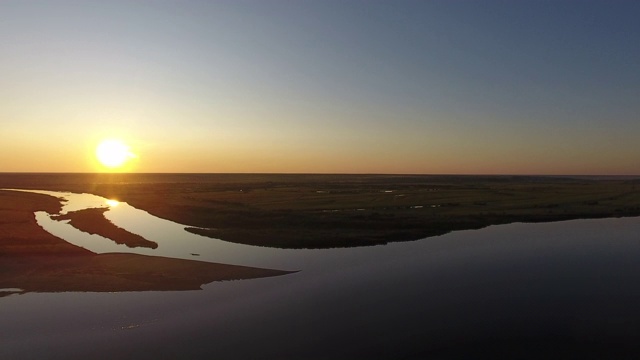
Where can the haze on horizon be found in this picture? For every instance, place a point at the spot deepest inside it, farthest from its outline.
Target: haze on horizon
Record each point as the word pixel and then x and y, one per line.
pixel 456 87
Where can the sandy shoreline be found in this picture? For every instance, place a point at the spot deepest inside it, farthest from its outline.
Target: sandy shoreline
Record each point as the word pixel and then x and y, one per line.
pixel 33 260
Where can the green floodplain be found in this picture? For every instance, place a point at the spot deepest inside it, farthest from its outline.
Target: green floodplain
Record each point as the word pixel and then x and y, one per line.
pixel 322 211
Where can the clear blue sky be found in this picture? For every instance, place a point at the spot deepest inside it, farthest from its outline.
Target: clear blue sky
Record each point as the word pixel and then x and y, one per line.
pixel 524 87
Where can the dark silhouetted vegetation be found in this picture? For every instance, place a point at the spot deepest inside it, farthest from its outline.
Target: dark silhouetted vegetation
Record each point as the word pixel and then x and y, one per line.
pixel 320 211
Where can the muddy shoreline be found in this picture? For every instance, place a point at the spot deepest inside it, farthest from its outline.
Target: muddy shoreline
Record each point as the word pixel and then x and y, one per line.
pixel 33 260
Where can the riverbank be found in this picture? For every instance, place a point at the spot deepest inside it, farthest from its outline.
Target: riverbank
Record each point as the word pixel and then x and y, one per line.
pixel 323 211
pixel 33 260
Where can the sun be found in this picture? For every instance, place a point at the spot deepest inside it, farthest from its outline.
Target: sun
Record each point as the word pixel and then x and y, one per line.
pixel 113 153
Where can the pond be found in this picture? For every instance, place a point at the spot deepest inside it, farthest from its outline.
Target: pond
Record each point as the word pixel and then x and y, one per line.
pixel 518 290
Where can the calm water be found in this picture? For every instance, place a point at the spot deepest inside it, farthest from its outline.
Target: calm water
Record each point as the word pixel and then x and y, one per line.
pixel 569 289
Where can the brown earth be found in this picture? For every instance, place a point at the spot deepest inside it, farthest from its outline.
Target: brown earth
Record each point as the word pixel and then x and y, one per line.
pixel 33 260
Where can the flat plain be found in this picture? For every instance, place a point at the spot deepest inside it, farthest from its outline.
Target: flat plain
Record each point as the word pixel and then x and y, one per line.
pixel 323 211
pixel 460 298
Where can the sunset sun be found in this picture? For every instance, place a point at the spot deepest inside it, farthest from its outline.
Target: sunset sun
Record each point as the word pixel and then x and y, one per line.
pixel 113 153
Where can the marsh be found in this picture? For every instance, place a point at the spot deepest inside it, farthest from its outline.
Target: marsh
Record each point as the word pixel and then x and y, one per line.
pixel 520 290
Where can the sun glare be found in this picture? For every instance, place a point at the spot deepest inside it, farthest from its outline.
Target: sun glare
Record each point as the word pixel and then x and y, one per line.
pixel 113 153
pixel 112 203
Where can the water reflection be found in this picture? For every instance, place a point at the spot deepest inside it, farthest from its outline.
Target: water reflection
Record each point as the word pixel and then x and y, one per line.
pixel 73 201
pixel 172 238
pixel 112 203
pixel 541 289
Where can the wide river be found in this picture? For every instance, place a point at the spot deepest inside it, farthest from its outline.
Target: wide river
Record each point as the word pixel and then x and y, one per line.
pixel 518 290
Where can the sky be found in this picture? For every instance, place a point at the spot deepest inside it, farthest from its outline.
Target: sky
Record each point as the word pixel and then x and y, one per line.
pixel 348 86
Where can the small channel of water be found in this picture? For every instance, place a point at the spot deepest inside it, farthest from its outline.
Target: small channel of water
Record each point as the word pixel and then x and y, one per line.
pixel 172 238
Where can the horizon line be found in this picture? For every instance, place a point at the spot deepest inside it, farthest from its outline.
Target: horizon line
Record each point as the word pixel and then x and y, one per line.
pixel 311 173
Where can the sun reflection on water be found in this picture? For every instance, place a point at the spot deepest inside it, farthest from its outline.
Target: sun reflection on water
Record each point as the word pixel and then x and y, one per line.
pixel 112 203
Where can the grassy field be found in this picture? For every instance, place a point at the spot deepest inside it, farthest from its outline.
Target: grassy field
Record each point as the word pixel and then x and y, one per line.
pixel 320 211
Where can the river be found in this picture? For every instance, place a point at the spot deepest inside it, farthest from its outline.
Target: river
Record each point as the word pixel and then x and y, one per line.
pixel 518 290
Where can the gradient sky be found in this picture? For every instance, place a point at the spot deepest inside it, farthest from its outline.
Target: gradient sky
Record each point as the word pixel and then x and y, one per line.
pixel 458 87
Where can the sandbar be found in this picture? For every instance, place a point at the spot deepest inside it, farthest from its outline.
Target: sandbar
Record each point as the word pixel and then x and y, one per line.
pixel 92 221
pixel 33 260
